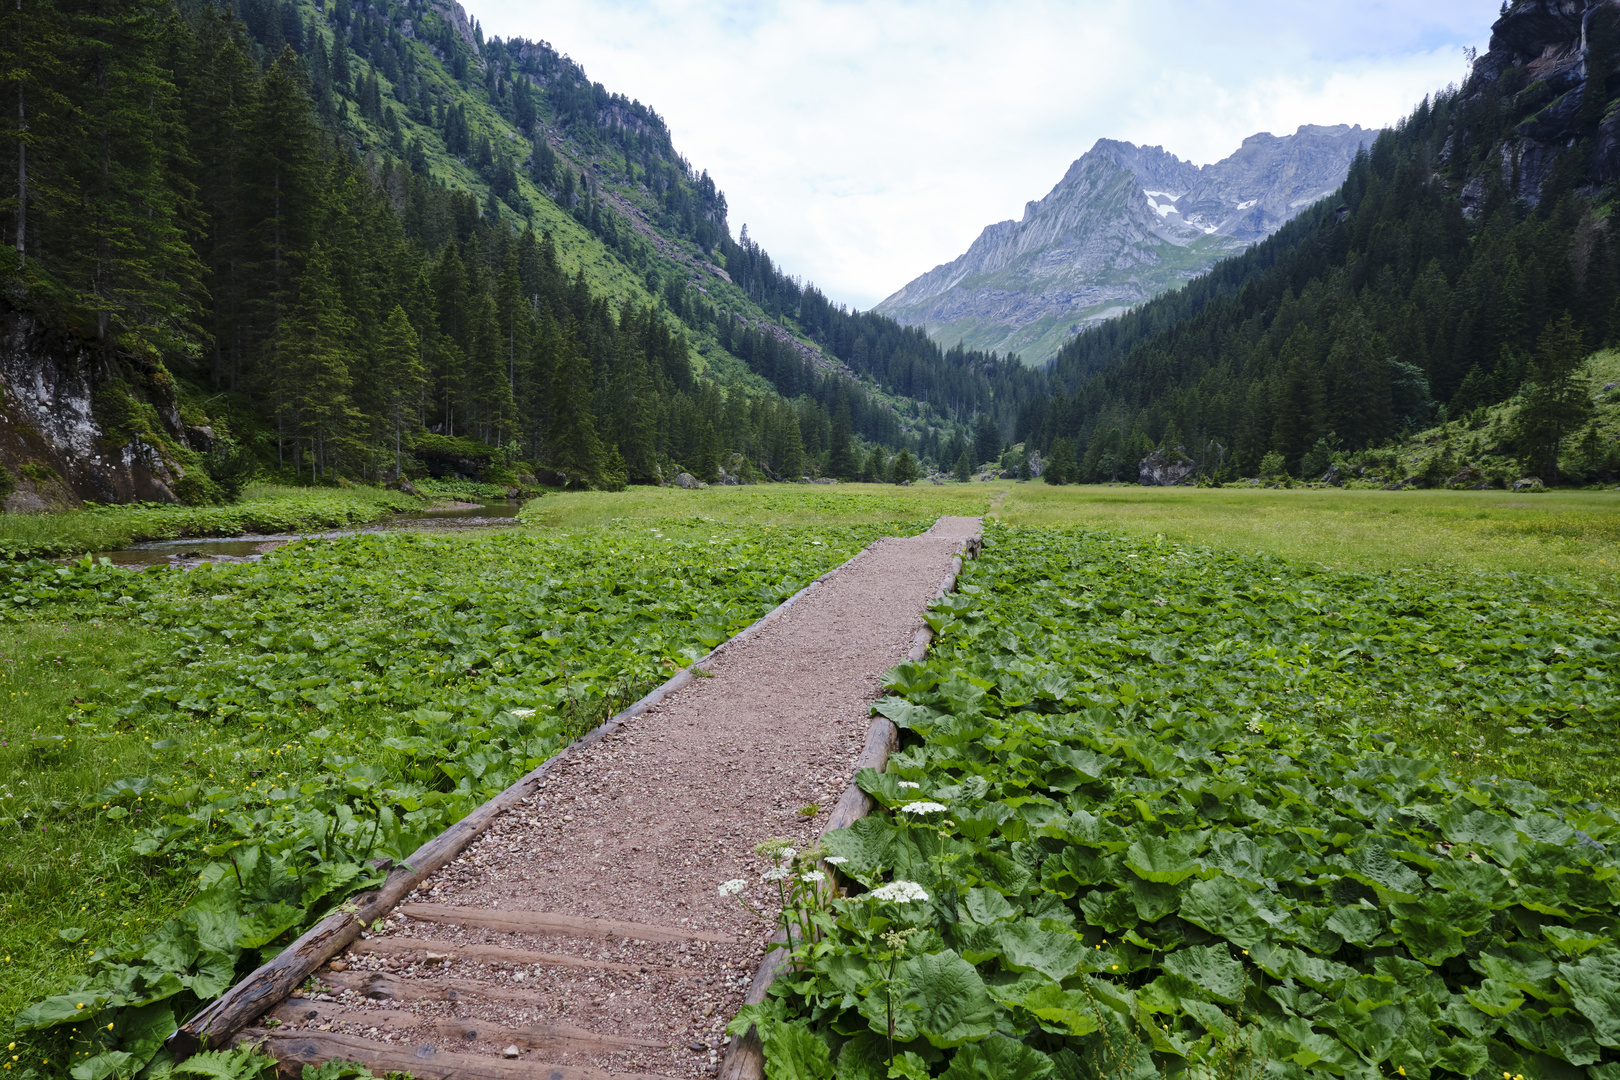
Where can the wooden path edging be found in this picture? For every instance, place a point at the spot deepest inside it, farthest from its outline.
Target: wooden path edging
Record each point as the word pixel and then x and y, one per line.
pixel 745 1057
pixel 270 984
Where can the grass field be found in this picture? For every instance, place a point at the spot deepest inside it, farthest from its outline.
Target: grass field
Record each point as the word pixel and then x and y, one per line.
pixel 249 688
pixel 1574 535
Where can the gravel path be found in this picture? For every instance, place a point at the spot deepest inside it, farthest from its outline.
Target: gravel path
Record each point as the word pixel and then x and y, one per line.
pixel 583 938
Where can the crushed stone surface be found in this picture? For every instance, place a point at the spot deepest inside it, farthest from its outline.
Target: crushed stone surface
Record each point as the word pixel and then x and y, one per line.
pixel 642 827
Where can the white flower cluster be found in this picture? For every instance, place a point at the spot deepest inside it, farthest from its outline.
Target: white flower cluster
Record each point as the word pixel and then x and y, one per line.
pixel 812 876
pixel 899 892
pixel 923 808
pixel 909 784
pixel 732 887
pixel 835 860
pixel 776 873
pixel 521 713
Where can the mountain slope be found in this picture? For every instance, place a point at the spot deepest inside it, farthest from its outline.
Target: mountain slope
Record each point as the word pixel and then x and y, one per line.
pixel 1467 260
pixel 1123 225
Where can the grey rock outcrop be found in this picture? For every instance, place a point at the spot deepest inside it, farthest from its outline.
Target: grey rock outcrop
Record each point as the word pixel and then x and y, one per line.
pixel 1125 224
pixel 685 480
pixel 1165 468
pixel 49 387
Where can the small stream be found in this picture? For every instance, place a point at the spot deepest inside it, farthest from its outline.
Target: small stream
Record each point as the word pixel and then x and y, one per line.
pixel 253 546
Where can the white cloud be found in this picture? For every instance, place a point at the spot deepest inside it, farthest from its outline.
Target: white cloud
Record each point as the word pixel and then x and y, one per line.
pixel 865 142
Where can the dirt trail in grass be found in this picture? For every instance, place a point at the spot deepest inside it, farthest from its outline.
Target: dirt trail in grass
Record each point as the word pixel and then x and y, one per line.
pixel 583 937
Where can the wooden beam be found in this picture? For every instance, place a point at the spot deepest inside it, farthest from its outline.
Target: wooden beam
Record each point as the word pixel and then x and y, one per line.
pixel 495 954
pixel 425 1062
pixel 545 922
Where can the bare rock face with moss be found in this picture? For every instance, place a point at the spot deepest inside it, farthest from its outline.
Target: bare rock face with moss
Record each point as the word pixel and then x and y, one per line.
pixel 1124 224
pixel 73 427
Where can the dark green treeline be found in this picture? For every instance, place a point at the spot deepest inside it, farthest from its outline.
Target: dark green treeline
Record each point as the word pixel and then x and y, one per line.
pixel 190 199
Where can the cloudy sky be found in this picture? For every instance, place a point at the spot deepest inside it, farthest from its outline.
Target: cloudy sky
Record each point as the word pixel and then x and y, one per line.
pixel 863 142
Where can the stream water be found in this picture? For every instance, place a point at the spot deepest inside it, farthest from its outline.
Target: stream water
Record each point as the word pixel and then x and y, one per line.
pixel 253 546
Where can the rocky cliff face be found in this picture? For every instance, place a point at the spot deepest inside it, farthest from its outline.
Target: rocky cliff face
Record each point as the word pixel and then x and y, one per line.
pixel 1540 60
pixel 1123 225
pixel 54 447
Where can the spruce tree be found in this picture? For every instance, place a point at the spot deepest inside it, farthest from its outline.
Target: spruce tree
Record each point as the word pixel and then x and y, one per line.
pixel 576 451
pixel 842 461
pixel 986 440
pixel 904 469
pixel 1558 401
pixel 401 374
pixel 964 467
pixel 792 462
pixel 1060 467
pixel 874 472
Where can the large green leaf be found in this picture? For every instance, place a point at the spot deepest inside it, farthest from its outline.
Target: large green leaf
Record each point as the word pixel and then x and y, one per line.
pixel 796 1053
pixel 1066 1012
pixel 939 997
pixel 1026 947
pixel 61 1009
pixel 1209 967
pixel 998 1058
pixel 1163 859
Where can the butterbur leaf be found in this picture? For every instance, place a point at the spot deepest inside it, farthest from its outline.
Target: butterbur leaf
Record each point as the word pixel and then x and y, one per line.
pixel 214 975
pixel 908 1066
pixel 1494 998
pixel 1063 1012
pixel 1464 1056
pixel 1027 947
pixel 61 1009
pixel 71 933
pixel 1593 983
pixel 111 1063
pixel 1162 859
pixel 865 1057
pixel 1209 967
pixel 142 1031
pixel 938 996
pixel 1357 925
pixel 267 924
pixel 998 1058
pixel 1373 865
pixel 796 1053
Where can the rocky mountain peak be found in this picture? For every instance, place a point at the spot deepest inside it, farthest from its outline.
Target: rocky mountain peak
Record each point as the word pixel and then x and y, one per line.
pixel 1124 224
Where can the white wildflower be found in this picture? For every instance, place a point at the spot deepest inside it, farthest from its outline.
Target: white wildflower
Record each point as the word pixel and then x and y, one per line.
pixel 909 784
pixel 732 887
pixel 923 808
pixel 524 713
pixel 835 860
pixel 776 873
pixel 812 876
pixel 899 892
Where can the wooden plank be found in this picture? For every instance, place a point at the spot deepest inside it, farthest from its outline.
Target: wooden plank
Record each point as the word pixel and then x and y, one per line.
pixel 495 954
pixel 378 986
pixel 565 1038
pixel 745 1059
pixel 547 922
pixel 425 1062
pixel 269 984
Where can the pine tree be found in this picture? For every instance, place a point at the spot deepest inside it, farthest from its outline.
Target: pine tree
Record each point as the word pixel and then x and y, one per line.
pixel 402 375
pixel 1060 467
pixel 874 471
pixel 986 440
pixel 792 460
pixel 964 467
pixel 576 451
pixel 1359 401
pixel 842 461
pixel 904 468
pixel 1558 401
pixel 315 364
